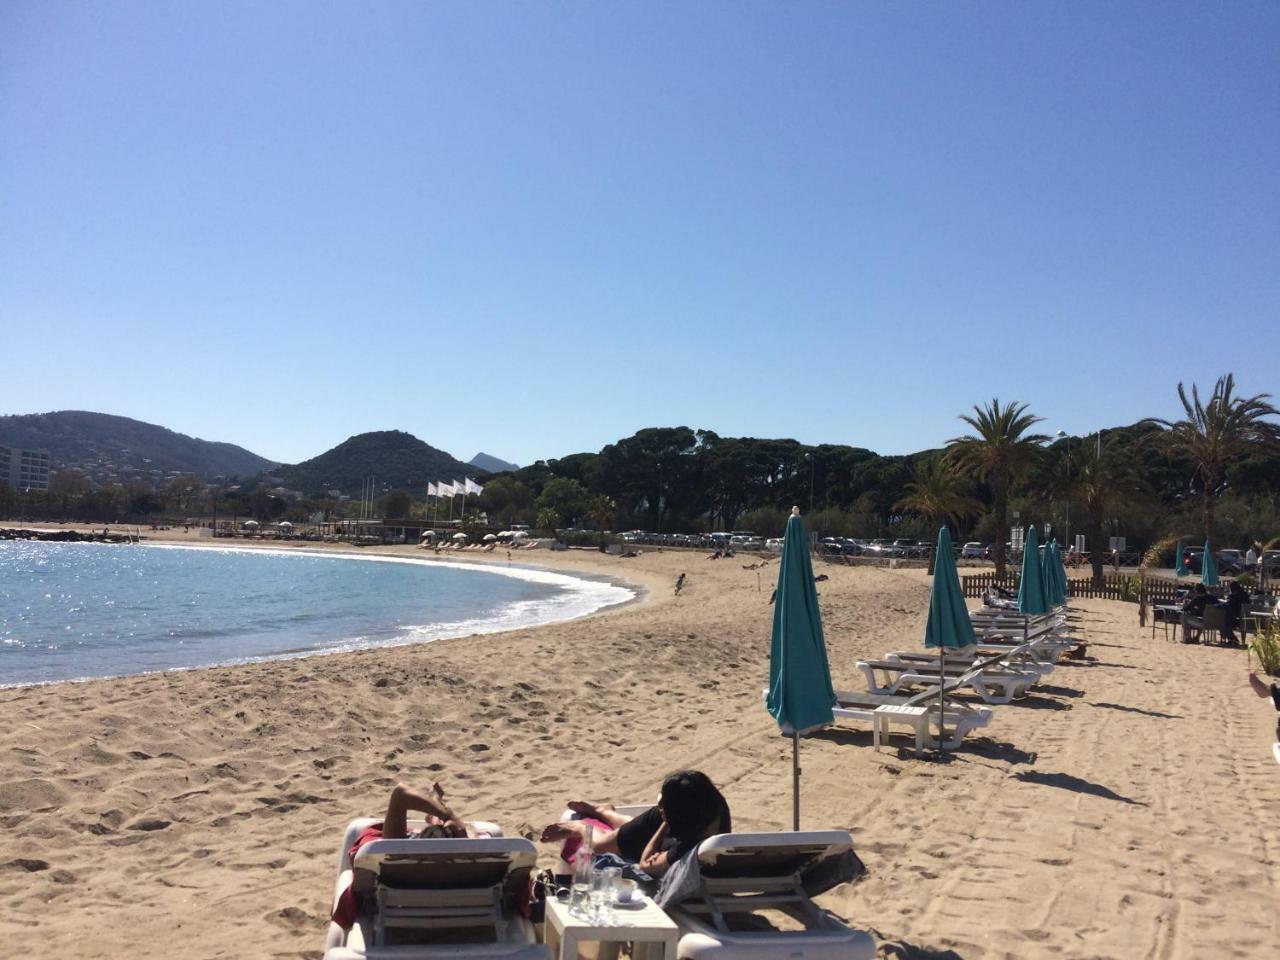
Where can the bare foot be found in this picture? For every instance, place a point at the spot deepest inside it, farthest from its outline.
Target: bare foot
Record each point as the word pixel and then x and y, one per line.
pixel 564 830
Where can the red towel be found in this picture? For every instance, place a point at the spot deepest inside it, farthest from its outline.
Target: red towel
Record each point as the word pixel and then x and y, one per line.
pixel 346 910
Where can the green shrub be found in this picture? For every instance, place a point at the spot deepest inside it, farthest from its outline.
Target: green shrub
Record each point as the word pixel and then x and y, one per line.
pixel 1266 647
pixel 1131 589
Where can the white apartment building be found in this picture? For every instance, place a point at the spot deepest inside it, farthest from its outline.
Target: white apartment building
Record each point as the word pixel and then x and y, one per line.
pixel 24 469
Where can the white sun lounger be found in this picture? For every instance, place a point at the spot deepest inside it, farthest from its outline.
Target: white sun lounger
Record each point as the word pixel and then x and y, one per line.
pixel 739 873
pixel 1018 658
pixel 918 713
pixel 992 685
pixel 434 899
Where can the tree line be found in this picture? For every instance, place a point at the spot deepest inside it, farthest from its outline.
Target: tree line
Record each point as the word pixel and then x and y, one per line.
pixel 1215 472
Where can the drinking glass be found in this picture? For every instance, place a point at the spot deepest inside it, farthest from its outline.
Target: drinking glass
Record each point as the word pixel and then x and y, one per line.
pixel 602 897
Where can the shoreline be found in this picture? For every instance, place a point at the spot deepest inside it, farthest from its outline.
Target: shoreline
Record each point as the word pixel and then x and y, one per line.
pixel 639 594
pixel 1130 805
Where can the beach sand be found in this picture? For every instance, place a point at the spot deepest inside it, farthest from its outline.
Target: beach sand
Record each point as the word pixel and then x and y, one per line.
pixel 1129 808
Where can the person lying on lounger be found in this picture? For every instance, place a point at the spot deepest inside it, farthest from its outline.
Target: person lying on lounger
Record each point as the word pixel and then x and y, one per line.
pixel 689 810
pixel 440 819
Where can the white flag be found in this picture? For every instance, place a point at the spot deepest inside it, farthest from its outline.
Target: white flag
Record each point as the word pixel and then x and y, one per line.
pixel 445 489
pixel 459 488
pixel 473 487
pixel 431 490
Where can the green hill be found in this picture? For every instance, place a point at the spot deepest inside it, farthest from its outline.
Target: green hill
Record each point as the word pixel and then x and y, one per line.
pixel 396 460
pixel 109 448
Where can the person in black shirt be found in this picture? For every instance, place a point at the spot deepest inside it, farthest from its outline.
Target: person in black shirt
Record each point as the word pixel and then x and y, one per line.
pixel 1236 598
pixel 689 810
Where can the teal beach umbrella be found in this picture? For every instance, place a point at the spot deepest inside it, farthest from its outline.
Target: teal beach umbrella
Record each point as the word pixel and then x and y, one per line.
pixel 1031 599
pixel 1180 562
pixel 1209 567
pixel 949 626
pixel 1055 577
pixel 1061 569
pixel 800 693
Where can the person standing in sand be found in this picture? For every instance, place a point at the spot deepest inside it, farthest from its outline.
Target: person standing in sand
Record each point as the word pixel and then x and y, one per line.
pixel 679 584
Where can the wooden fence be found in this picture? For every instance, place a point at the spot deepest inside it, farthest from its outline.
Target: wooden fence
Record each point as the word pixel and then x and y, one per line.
pixel 1114 586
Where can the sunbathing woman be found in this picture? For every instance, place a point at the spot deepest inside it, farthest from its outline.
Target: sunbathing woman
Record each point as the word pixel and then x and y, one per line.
pixel 689 810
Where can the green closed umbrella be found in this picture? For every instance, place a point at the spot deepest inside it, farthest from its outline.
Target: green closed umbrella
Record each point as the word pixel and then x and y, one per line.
pixel 1031 598
pixel 1055 578
pixel 949 626
pixel 800 693
pixel 1180 562
pixel 1209 567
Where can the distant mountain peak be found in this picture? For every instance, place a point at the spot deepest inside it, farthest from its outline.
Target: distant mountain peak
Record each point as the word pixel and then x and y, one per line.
pixel 396 460
pixel 492 464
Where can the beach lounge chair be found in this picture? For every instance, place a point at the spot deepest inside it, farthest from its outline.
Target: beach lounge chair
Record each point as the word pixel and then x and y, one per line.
pixel 990 683
pixel 732 877
pixel 1017 658
pixel 919 713
pixel 429 899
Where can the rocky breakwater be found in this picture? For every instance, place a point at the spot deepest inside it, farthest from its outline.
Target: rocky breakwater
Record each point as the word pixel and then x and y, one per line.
pixel 67 536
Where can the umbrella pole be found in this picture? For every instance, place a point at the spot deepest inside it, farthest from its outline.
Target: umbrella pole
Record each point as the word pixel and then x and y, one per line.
pixel 795 780
pixel 942 703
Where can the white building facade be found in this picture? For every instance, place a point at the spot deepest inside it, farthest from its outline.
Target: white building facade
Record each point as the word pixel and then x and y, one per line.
pixel 24 469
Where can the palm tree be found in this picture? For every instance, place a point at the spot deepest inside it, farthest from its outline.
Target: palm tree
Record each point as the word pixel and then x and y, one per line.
pixel 937 491
pixel 997 454
pixel 1104 486
pixel 1213 434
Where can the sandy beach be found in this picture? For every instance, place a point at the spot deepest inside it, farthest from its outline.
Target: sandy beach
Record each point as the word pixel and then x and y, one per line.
pixel 1129 808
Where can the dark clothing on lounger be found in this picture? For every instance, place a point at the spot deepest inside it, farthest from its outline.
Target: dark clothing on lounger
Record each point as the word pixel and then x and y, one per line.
pixel 635 834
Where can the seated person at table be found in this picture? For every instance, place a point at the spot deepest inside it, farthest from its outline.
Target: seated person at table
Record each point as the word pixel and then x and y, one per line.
pixel 1236 598
pixel 689 810
pixel 1193 609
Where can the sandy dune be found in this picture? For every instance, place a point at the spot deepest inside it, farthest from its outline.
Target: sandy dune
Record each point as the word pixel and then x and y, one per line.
pixel 1129 808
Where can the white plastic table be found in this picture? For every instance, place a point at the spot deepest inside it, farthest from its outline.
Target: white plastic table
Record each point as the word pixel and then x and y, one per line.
pixel 652 932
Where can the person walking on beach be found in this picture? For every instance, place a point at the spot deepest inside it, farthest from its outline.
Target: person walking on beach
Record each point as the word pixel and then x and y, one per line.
pixel 679 584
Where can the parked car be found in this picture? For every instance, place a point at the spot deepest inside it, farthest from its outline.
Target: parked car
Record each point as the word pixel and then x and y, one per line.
pixel 882 548
pixel 1229 561
pixel 973 550
pixel 907 547
pixel 774 544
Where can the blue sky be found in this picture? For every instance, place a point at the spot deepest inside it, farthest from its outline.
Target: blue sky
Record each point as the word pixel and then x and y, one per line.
pixel 534 228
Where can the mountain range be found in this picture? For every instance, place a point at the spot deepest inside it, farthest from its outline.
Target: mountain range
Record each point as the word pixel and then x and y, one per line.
pixel 111 449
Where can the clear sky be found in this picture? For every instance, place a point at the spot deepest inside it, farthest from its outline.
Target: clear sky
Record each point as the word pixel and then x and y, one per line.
pixel 534 228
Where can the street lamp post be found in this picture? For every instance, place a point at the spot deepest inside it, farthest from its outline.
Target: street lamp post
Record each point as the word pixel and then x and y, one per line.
pixel 1067 531
pixel 809 457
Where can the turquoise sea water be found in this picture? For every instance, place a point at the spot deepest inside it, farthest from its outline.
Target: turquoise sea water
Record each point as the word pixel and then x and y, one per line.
pixel 76 610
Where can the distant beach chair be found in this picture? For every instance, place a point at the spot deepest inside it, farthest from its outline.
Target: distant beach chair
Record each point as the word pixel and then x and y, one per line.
pixel 717 898
pixel 434 899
